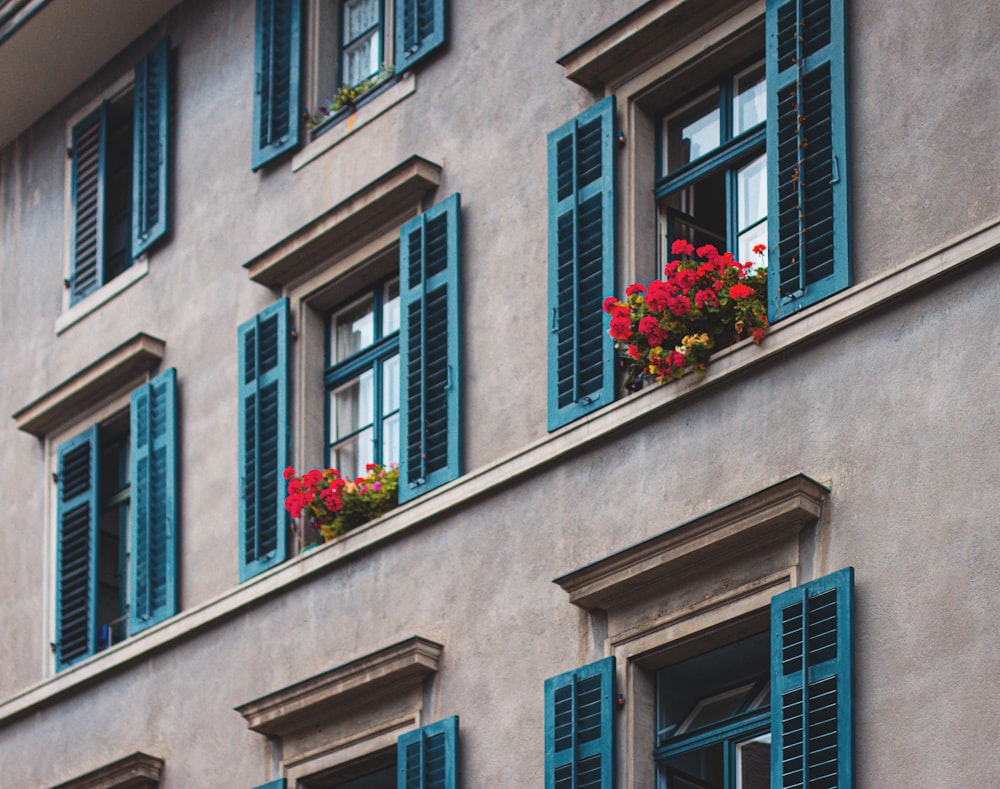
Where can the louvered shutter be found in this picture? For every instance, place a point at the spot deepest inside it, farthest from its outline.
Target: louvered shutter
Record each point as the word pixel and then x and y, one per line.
pixel 263 438
pixel 427 758
pixel 579 728
pixel 812 684
pixel 808 225
pixel 276 93
pixel 429 349
pixel 420 29
pixel 150 148
pixel 581 263
pixel 89 151
pixel 76 574
pixel 153 518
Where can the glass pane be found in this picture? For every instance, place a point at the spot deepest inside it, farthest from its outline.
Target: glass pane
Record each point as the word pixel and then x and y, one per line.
pixel 359 15
pixel 350 457
pixel 390 308
pixel 361 59
pixel 751 188
pixel 390 439
pixel 748 240
pixel 750 100
pixel 352 406
pixel 693 131
pixel 354 329
pixel 703 768
pixel 753 763
pixel 390 384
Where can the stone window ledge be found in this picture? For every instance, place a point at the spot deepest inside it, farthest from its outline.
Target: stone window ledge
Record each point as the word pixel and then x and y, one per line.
pixel 319 699
pixel 95 383
pixel 104 294
pixel 136 771
pixel 850 306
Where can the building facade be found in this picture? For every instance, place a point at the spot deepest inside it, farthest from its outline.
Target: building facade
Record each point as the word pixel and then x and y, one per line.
pixel 238 236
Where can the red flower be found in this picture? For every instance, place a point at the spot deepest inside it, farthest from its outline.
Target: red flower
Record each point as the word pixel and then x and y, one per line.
pixel 609 304
pixel 759 249
pixel 635 287
pixel 740 291
pixel 679 305
pixel 288 473
pixel 650 329
pixel 657 295
pixel 677 359
pixel 621 311
pixel 705 298
pixel 633 352
pixel 621 328
pixel 758 335
pixel 708 251
pixel 671 267
pixel 681 247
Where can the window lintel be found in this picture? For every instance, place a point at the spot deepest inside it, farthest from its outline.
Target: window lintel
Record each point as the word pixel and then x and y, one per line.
pixel 771 515
pixel 389 197
pixel 96 382
pixel 135 771
pixel 319 699
pixel 638 39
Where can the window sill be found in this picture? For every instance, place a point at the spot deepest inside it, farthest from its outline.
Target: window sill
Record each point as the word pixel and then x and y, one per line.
pixel 329 136
pixel 101 296
pixel 850 306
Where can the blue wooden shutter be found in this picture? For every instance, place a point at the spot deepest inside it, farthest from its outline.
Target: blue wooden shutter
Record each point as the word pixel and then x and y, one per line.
pixel 807 169
pixel 420 29
pixel 812 684
pixel 153 518
pixel 579 728
pixel 276 92
pixel 263 439
pixel 278 783
pixel 76 549
pixel 581 263
pixel 430 422
pixel 150 148
pixel 89 152
pixel 427 758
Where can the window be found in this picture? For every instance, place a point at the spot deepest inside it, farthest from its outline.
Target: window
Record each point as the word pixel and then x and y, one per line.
pixel 119 166
pixel 362 382
pixel 391 382
pixel 350 42
pixel 713 719
pixel 116 525
pixel 712 185
pixel 734 149
pixel 719 713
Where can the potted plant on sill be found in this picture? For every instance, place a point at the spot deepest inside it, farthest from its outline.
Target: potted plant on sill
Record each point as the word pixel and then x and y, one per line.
pixel 706 302
pixel 335 505
pixel 345 98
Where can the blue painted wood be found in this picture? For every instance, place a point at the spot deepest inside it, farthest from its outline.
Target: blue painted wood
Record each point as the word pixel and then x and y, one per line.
pixel 153 510
pixel 812 684
pixel 430 349
pixel 807 165
pixel 421 28
pixel 76 548
pixel 582 265
pixel 89 150
pixel 150 148
pixel 579 727
pixel 277 57
pixel 263 439
pixel 277 783
pixel 427 758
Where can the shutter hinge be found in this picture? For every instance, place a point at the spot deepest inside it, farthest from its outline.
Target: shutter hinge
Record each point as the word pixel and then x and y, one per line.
pixel 69 153
pixel 554 326
pixel 55 477
pixel 585 400
pixel 620 700
pixel 53 646
pixel 257 83
pixel 835 178
pixel 293 333
pixel 620 139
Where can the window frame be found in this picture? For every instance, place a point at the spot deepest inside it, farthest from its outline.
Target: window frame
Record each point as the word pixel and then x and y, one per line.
pixel 342 46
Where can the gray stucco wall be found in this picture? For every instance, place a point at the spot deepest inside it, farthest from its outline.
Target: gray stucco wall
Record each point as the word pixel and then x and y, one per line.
pixel 896 410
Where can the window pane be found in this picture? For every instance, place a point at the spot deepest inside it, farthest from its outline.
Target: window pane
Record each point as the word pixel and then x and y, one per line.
pixel 750 101
pixel 359 15
pixel 350 457
pixel 751 187
pixel 390 439
pixel 693 131
pixel 390 308
pixel 361 59
pixel 753 763
pixel 748 240
pixel 352 406
pixel 702 768
pixel 390 385
pixel 354 329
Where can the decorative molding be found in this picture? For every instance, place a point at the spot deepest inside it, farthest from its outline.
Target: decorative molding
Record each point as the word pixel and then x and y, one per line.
pixel 94 383
pixel 321 699
pixel 772 515
pixel 641 38
pixel 389 199
pixel 136 771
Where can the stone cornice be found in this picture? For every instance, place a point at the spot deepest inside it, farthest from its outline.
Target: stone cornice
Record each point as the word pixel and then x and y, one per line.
pixel 136 771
